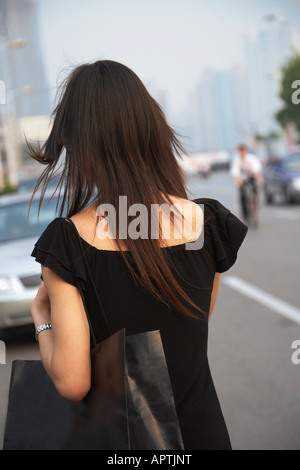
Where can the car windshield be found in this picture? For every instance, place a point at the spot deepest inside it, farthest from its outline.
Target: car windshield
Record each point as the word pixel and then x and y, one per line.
pixel 292 163
pixel 13 219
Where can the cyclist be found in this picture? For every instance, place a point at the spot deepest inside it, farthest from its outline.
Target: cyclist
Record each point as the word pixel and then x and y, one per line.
pixel 246 170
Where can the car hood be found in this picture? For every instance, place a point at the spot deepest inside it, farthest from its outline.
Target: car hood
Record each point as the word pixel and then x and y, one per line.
pixel 15 257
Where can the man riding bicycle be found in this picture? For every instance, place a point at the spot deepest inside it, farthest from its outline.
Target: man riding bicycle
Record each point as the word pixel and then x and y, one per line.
pixel 246 171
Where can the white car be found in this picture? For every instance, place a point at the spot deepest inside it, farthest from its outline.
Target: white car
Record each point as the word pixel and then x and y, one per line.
pixel 20 274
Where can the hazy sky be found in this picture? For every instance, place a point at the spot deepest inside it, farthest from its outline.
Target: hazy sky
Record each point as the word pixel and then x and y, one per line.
pixel 169 42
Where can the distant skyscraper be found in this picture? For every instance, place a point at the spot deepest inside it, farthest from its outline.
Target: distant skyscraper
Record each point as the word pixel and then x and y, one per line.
pixel 219 111
pixel 228 127
pixel 21 62
pixel 158 94
pixel 229 107
pixel 266 50
pixel 241 103
pixel 208 111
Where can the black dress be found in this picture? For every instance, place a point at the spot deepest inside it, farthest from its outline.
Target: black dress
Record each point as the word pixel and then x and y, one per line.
pixel 128 305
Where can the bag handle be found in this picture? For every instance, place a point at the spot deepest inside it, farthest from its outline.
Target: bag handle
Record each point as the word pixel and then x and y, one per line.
pixel 92 283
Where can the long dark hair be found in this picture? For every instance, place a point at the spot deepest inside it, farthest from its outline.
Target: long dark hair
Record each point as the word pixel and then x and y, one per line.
pixel 113 139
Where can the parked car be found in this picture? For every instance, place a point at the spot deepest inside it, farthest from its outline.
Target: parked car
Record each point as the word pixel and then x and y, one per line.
pixel 282 177
pixel 19 272
pixel 204 169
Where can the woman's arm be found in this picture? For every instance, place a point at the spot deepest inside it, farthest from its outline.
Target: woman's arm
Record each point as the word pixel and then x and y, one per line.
pixel 65 349
pixel 214 293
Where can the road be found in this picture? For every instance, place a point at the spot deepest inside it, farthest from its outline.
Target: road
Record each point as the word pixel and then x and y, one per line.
pixel 251 332
pixel 255 321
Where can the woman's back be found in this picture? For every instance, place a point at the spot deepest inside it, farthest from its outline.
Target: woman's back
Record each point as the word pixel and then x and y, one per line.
pixel 151 274
pixel 128 305
pixel 187 231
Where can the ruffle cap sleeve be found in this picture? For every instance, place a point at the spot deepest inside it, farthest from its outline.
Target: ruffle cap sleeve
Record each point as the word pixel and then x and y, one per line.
pixel 226 233
pixel 58 249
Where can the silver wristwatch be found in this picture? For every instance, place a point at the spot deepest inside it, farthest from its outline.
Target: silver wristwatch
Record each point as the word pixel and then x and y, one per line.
pixel 45 326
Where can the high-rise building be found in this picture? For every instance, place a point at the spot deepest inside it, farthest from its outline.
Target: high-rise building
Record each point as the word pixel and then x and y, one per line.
pixel 204 133
pixel 229 107
pixel 21 61
pixel 219 111
pixel 266 50
pixel 241 103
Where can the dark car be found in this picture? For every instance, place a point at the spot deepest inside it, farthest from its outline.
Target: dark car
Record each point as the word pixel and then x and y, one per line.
pixel 282 177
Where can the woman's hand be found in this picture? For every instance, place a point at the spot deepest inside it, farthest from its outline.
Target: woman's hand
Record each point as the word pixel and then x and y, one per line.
pixel 40 307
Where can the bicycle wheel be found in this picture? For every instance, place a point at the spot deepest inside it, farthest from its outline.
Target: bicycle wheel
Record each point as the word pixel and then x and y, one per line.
pixel 254 211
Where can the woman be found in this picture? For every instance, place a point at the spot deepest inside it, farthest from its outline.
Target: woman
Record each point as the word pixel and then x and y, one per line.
pixel 117 143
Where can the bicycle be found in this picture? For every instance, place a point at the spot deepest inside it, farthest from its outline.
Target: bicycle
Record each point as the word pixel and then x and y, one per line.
pixel 250 202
